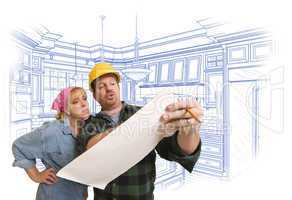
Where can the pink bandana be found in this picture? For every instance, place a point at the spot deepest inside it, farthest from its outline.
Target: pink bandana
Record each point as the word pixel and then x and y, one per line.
pixel 61 101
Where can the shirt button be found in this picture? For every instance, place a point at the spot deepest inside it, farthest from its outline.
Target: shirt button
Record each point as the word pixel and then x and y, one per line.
pixel 114 185
pixel 114 198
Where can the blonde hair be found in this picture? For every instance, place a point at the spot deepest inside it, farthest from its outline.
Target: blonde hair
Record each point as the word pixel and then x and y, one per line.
pixel 61 115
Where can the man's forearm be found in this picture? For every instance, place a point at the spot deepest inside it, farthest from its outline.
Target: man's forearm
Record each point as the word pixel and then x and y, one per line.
pixel 95 139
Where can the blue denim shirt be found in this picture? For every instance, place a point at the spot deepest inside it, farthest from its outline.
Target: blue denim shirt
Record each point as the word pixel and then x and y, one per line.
pixel 55 145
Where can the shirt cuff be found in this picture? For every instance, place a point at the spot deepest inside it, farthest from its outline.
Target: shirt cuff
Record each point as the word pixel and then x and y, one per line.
pixel 25 164
pixel 186 160
pixel 177 149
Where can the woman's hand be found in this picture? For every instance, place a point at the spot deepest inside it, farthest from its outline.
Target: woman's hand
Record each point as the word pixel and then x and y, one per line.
pixel 47 176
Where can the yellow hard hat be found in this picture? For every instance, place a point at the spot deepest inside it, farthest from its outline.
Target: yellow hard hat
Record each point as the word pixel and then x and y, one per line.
pixel 101 69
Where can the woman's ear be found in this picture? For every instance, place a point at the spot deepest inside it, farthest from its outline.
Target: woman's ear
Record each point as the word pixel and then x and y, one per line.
pixel 67 112
pixel 68 108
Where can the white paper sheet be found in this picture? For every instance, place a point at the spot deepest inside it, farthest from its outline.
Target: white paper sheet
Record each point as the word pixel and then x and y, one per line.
pixel 121 149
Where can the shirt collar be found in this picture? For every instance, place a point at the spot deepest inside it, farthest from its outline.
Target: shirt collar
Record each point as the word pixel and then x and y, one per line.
pixel 103 115
pixel 65 127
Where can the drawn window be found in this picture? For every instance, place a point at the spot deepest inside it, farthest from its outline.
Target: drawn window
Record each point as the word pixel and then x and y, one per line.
pixel 238 54
pixel 262 51
pixel 36 62
pixel 61 80
pixel 128 90
pixel 46 80
pixel 178 70
pixel 164 72
pixel 85 83
pixel 193 69
pixel 35 88
pixel 152 75
pixel 26 59
pixel 26 77
pixel 214 61
pixel 79 82
pixel 215 82
pixel 54 81
pixel 72 82
pixel 21 107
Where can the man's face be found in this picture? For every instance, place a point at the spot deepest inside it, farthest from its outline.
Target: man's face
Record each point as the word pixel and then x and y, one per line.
pixel 107 91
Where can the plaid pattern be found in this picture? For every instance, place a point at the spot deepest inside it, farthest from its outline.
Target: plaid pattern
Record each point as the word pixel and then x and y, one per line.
pixel 138 182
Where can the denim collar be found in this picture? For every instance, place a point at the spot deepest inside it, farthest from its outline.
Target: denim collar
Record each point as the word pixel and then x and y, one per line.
pixel 66 126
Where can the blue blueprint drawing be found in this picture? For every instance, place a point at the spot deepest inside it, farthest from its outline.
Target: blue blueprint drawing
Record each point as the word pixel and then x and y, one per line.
pixel 231 74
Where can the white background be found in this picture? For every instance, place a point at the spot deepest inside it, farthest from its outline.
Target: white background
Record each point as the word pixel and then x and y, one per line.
pixel 270 176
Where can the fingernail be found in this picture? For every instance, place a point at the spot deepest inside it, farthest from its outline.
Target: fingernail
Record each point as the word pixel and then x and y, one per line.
pixel 165 117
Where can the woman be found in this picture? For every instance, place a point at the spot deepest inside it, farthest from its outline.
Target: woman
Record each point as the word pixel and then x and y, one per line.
pixel 55 144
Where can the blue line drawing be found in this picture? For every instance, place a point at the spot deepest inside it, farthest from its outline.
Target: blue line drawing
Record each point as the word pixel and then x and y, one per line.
pixel 229 73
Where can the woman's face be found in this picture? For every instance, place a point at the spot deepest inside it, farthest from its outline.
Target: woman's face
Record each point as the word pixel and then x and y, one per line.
pixel 78 105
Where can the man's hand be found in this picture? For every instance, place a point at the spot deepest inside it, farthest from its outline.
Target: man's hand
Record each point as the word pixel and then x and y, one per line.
pixel 98 137
pixel 47 176
pixel 186 117
pixel 176 117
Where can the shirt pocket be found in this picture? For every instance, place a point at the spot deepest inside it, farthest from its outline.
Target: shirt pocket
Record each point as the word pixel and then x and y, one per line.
pixel 54 155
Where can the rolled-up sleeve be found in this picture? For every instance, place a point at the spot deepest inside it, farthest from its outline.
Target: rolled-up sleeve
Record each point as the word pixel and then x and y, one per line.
pixel 169 149
pixel 26 149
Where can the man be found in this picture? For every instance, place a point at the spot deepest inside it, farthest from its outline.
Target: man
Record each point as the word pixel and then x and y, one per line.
pixel 180 131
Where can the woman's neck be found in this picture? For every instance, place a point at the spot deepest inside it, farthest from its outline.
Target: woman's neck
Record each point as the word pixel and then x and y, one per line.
pixel 74 125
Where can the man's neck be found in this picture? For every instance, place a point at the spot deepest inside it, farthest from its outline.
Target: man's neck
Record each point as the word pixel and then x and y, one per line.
pixel 114 110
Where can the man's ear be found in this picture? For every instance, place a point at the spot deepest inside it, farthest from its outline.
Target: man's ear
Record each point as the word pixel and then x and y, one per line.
pixel 93 94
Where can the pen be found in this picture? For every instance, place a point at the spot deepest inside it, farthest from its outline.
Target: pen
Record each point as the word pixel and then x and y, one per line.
pixel 193 115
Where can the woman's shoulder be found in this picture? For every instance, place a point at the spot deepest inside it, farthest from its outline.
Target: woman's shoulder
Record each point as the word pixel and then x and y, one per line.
pixel 50 124
pixel 45 131
pixel 50 127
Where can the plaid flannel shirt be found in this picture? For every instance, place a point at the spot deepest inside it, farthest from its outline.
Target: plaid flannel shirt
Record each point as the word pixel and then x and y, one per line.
pixel 138 181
